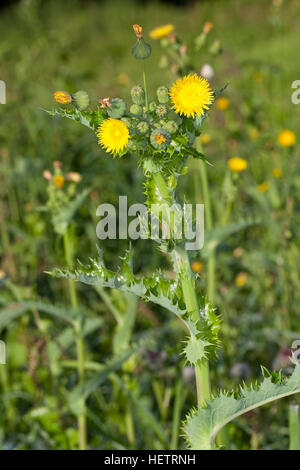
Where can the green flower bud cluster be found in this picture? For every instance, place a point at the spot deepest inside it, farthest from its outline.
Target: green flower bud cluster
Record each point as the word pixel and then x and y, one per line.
pixel 161 110
pixel 138 94
pixel 117 108
pixel 143 127
pixel 162 94
pixel 81 99
pixel 160 139
pixel 136 109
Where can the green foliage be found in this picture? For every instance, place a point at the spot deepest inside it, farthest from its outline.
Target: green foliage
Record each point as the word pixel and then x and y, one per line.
pixel 203 425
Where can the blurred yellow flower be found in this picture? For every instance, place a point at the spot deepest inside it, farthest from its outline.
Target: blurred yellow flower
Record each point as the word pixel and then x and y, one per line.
pixel 161 31
pixel 197 266
pixel 205 139
pixel 253 133
pixel 123 78
pixel 277 172
pixel 237 164
pixel 257 77
pixel 191 95
pixel 222 103
pixel 59 181
pixel 241 279
pixel 208 26
pixel 263 187
pixel 62 97
pixel 113 135
pixel 286 138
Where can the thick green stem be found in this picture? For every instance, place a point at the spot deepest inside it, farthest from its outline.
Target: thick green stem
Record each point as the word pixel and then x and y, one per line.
pixel 211 268
pixel 189 293
pixel 178 402
pixel 82 429
pixel 294 426
pixel 190 298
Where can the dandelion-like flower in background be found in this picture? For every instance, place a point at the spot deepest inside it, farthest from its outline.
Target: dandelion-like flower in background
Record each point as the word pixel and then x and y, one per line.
pixel 113 135
pixel 191 95
pixel 237 164
pixel 263 187
pixel 277 172
pixel 222 103
pixel 62 97
pixel 59 181
pixel 286 138
pixel 161 31
pixel 197 266
pixel 241 279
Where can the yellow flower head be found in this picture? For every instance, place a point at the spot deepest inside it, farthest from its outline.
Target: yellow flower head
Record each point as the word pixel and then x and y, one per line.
pixel 62 97
pixel 191 95
pixel 263 187
pixel 286 138
pixel 197 266
pixel 160 139
pixel 59 181
pixel 162 31
pixel 138 29
pixel 205 139
pixel 208 26
pixel 241 279
pixel 277 172
pixel 222 103
pixel 113 135
pixel 237 164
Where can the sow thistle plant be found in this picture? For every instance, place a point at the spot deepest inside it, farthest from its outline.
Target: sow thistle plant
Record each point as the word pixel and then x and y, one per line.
pixel 160 134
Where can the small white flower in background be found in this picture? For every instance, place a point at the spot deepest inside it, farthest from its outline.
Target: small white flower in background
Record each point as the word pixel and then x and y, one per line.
pixel 207 72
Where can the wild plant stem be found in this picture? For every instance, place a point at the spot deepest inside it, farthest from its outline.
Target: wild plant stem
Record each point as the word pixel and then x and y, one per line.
pixel 145 86
pixel 82 429
pixel 178 402
pixel 181 260
pixel 294 426
pixel 190 298
pixel 211 267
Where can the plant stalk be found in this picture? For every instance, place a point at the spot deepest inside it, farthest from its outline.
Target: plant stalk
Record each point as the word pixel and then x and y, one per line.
pixel 294 426
pixel 82 428
pixel 145 87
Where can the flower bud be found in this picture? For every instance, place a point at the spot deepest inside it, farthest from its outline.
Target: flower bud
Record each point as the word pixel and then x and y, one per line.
pixel 117 108
pixel 62 97
pixel 152 106
pixel 161 110
pixel 136 109
pixel 143 127
pixel 81 99
pixel 162 94
pixel 160 139
pixel 171 127
pixel 141 50
pixel 138 94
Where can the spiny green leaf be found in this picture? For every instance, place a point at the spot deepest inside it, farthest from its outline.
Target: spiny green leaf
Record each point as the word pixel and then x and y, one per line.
pixel 195 351
pixel 203 424
pixel 156 288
